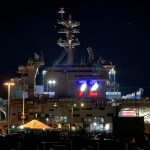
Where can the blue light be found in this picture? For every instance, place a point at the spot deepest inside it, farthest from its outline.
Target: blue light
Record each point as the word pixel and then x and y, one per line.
pixel 93 81
pixel 82 81
pixel 88 81
pixel 88 87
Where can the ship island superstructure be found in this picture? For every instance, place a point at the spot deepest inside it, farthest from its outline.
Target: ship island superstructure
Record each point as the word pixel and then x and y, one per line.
pixel 72 95
pixel 82 80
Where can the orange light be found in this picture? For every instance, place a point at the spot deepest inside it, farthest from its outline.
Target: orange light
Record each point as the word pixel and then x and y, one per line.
pixel 9 83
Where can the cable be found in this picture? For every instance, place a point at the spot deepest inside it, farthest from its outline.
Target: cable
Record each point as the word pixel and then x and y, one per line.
pixel 61 56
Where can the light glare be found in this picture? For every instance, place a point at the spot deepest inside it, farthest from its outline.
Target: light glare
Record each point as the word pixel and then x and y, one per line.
pixel 94 87
pixel 83 87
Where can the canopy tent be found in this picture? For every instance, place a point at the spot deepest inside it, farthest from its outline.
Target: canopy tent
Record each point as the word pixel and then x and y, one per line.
pixel 35 124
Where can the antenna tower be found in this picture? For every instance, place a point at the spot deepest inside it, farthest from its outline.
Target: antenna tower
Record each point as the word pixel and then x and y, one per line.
pixel 70 42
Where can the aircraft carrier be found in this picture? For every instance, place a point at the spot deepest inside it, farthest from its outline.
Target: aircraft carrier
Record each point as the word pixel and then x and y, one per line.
pixel 72 95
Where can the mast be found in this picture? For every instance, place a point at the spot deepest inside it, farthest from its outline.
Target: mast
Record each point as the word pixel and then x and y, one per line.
pixel 69 29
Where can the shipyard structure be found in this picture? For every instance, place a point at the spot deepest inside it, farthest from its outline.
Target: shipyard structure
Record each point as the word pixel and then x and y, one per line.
pixel 72 95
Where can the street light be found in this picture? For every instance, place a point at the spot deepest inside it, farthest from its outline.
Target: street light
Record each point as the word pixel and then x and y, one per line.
pixel 51 82
pixel 44 72
pixel 23 100
pixel 113 72
pixel 9 84
pixel 74 105
pixel 23 70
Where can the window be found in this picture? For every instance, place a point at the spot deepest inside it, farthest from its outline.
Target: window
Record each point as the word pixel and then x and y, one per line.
pixel 88 108
pixel 110 114
pixel 76 109
pixel 89 115
pixel 51 109
pixel 76 115
pixel 102 108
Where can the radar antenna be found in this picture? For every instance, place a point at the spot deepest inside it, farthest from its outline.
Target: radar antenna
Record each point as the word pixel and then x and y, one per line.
pixel 69 43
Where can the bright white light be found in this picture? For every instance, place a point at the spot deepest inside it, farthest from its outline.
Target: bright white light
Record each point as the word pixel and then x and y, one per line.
pixel 44 72
pixel 36 115
pixel 95 124
pixel 83 87
pixel 21 127
pixel 112 71
pixel 13 126
pixel 51 81
pixel 107 127
pixel 55 105
pixel 94 87
pixel 82 104
pixel 47 119
pixel 73 128
pixel 74 105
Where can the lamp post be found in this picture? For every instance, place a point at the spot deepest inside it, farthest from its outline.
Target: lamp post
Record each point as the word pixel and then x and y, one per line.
pixel 23 116
pixel 23 100
pixel 9 84
pixel 52 84
pixel 113 72
pixel 23 71
pixel 44 72
pixel 72 110
pixel 74 105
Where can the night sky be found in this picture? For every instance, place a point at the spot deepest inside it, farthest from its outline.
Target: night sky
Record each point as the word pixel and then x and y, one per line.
pixel 116 30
